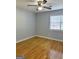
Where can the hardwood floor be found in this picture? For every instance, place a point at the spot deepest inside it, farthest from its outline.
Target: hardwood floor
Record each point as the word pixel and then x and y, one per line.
pixel 38 48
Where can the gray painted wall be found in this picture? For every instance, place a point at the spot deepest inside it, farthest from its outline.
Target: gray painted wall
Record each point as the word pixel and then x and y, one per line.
pixel 25 24
pixel 29 24
pixel 42 27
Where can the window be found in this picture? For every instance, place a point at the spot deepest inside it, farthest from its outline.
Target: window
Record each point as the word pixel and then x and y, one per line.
pixel 56 22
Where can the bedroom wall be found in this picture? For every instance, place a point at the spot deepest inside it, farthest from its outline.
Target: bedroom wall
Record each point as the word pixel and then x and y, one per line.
pixel 29 24
pixel 43 24
pixel 25 24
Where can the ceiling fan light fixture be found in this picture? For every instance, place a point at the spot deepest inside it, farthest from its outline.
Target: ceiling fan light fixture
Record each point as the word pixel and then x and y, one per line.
pixel 40 8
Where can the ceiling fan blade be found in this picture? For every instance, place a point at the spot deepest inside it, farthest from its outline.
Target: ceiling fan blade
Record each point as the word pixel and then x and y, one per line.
pixel 31 5
pixel 37 9
pixel 47 7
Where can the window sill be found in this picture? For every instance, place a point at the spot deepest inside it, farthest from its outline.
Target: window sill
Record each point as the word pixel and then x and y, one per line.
pixel 56 30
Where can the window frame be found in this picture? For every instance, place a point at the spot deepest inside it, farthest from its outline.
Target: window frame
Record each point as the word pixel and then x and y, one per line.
pixel 60 24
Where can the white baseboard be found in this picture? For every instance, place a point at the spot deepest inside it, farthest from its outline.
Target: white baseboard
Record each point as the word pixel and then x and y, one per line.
pixel 25 39
pixel 49 38
pixel 39 36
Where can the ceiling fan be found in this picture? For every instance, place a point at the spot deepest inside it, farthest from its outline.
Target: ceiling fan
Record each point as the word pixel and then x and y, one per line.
pixel 40 5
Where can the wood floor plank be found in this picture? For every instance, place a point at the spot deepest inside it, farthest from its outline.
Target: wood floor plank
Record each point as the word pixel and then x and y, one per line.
pixel 38 48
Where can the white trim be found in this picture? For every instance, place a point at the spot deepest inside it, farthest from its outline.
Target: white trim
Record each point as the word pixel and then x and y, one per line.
pixel 39 36
pixel 25 39
pixel 49 38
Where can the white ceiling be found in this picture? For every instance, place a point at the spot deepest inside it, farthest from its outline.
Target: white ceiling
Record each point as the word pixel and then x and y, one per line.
pixel 56 4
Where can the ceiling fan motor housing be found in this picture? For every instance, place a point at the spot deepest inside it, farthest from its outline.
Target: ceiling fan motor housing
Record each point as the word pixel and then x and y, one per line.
pixel 41 2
